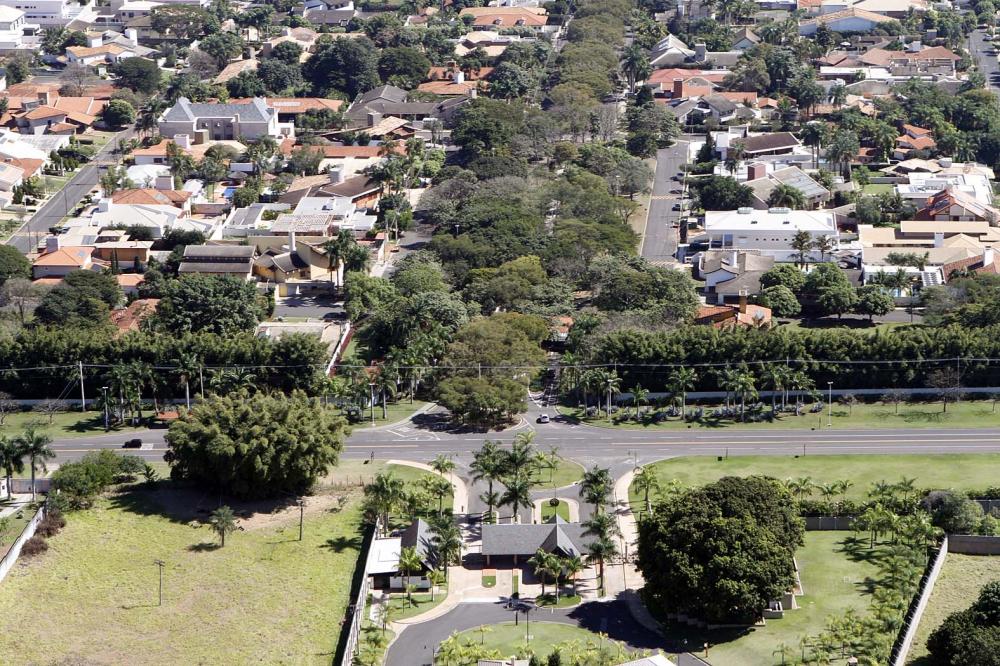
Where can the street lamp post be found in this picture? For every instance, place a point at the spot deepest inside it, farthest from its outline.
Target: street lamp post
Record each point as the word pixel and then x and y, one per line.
pixel 372 387
pixel 302 509
pixel 829 422
pixel 104 393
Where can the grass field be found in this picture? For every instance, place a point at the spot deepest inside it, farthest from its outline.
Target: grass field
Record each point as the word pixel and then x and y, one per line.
pixel 958 470
pixel 403 608
pixel 264 598
pixel 566 473
pixel 958 585
pixel 395 412
pixel 967 414
pixel 831 582
pixel 561 510
pixel 510 639
pixel 412 476
pixel 64 424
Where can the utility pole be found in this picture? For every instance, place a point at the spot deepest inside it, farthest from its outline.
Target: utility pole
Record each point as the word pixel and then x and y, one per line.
pixel 104 394
pixel 302 508
pixel 83 397
pixel 160 564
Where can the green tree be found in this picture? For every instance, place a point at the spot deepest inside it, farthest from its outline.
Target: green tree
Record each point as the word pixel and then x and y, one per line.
pixel 196 303
pixel 223 46
pixel 348 66
pixel 223 522
pixel 13 264
pixel 781 300
pixel 118 113
pixel 802 243
pixel 786 196
pixel 255 446
pixel 12 455
pixel 723 193
pixel 138 74
pixel 403 66
pixel 784 275
pixel 36 447
pixel 873 300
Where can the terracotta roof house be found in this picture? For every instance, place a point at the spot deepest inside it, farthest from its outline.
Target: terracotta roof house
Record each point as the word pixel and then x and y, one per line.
pixel 506 17
pixel 743 315
pixel 149 196
pixel 234 69
pixel 130 318
pixel 59 261
pixel 954 205
pixel 847 20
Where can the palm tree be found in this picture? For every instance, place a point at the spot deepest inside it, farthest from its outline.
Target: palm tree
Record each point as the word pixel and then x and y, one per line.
pixel 610 383
pixel 639 395
pixel 802 486
pixel 12 455
pixel 572 566
pixel 599 551
pixel 443 464
pixel 906 486
pixel 843 486
pixel 635 65
pixel 786 196
pixel 447 541
pixel 802 242
pixel 744 385
pixel 438 487
pixel 596 487
pixel 335 249
pixel 602 526
pixel 187 366
pixel 647 483
pixel 517 494
pixel 35 446
pixel 223 522
pixel 838 95
pixel 541 562
pixel 383 495
pixel 680 382
pixel 734 155
pixel 409 563
pixel 825 245
pixel 487 465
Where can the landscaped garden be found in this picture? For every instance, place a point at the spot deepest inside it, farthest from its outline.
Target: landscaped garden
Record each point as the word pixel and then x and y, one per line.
pixel 403 606
pixel 561 509
pixel 99 583
pixel 965 414
pixel 541 638
pixel 959 583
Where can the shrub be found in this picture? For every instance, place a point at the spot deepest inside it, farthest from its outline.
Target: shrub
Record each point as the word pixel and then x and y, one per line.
pixel 51 524
pixel 36 545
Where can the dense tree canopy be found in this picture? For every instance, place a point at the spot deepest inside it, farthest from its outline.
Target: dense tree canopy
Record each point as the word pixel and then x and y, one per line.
pixel 255 446
pixel 210 303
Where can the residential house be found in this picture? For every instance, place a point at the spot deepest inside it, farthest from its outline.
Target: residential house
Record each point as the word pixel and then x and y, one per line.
pixel 235 68
pixel 453 81
pixel 130 318
pixel 744 315
pixel 913 138
pixel 227 260
pixel 670 51
pixel 763 180
pixel 158 218
pixel 217 122
pixel 951 204
pixel 333 18
pixel 383 558
pixel 158 154
pixel 770 232
pixel 13 28
pixel 729 273
pixel 154 197
pixel 776 143
pixel 304 37
pixel 745 38
pixel 290 108
pixel 50 13
pixel 496 18
pixel 369 108
pixel 104 54
pixel 847 20
pixel 490 41
pixel 58 261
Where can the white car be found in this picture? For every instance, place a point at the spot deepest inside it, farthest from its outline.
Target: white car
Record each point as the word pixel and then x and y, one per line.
pixel 544 418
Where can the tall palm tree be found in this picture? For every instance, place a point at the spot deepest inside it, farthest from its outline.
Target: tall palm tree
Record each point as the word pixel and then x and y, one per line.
pixel 801 487
pixel 409 563
pixel 438 487
pixel 680 382
pixel 187 366
pixel 443 464
pixel 383 495
pixel 487 465
pixel 447 541
pixel 12 455
pixel 600 550
pixel 635 65
pixel 572 566
pixel 541 563
pixel 824 245
pixel 602 526
pixel 648 483
pixel 223 522
pixel 36 447
pixel 596 487
pixel 517 494
pixel 610 383
pixel 639 396
pixel 744 384
pixel 787 196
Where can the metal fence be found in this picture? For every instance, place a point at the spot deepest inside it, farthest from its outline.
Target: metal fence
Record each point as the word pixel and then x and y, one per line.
pixel 29 531
pixel 356 610
pixel 912 619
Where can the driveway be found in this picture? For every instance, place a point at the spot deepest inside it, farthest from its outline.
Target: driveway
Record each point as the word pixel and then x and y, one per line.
pixel 980 51
pixel 315 307
pixel 415 645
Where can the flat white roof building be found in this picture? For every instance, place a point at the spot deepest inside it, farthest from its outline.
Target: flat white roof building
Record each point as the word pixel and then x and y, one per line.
pixel 769 231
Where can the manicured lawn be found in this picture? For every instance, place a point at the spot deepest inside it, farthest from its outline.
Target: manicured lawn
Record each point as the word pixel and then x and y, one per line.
pixel 402 608
pixel 565 600
pixel 832 583
pixel 395 412
pixel 961 579
pixel 510 639
pixel 264 598
pixel 872 189
pixel 566 473
pixel 958 470
pixel 489 581
pixel 966 414
pixel 64 424
pixel 412 476
pixel 561 510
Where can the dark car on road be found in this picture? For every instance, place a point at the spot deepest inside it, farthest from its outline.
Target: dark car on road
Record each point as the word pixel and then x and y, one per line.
pixel 133 444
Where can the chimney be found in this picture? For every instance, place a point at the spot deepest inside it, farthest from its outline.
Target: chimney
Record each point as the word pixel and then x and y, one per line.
pixel 51 244
pixel 756 171
pixel 458 77
pixel 678 90
pixel 291 240
pixel 95 39
pixel 989 256
pixel 164 182
pixel 743 301
pixel 473 93
pixel 938 239
pixel 44 98
pixel 699 52
pixel 132 35
pixel 337 175
pixel 734 258
pixel 183 141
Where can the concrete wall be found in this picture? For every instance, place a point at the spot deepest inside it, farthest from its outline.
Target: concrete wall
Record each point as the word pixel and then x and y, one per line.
pixel 821 523
pixel 29 531
pixel 968 544
pixel 909 631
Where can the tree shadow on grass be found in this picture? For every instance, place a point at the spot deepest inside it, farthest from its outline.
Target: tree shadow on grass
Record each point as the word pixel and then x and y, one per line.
pixel 341 543
pixel 923 417
pixel 184 504
pixel 204 547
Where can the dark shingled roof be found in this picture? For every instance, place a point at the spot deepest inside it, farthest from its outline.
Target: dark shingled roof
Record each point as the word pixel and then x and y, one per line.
pixel 565 539
pixel 767 142
pixel 420 537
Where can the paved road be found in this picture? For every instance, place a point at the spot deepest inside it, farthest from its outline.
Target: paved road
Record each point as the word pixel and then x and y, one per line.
pixel 66 199
pixel 660 240
pixel 981 54
pixel 415 645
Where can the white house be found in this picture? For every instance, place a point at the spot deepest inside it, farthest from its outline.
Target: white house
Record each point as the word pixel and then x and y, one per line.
pixel 49 13
pixel 847 20
pixel 13 26
pixel 217 122
pixel 769 231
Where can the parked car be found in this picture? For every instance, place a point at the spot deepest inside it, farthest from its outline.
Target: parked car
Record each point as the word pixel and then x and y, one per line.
pixel 135 443
pixel 676 207
pixel 544 418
